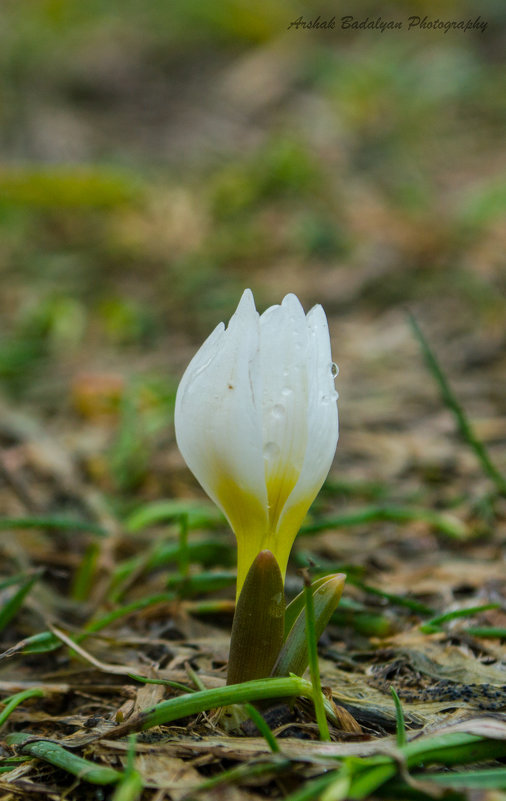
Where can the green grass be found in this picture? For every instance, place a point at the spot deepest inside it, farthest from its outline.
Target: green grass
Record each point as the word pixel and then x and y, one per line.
pixel 159 157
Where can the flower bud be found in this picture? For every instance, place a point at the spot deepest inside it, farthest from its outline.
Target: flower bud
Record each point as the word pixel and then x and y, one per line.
pixel 256 421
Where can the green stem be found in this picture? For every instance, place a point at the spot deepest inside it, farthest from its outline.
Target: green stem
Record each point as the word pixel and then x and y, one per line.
pixel 312 647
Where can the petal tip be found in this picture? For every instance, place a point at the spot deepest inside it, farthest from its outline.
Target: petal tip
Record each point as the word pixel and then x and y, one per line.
pixel 291 300
pixel 246 309
pixel 247 299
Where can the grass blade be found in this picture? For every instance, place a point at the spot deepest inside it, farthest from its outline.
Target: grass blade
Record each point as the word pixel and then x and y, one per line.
pixel 486 779
pixel 445 523
pixel 15 700
pixel 263 728
pixel 151 514
pixel 61 758
pixel 487 631
pixel 14 604
pixel 246 771
pixel 435 624
pixel 83 579
pixel 131 785
pixel 361 777
pixel 451 401
pixel 183 555
pixel 203 700
pixel 60 523
pixel 312 647
pixel 400 727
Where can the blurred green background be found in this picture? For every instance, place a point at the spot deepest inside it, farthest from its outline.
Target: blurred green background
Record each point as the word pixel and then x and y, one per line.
pixel 158 157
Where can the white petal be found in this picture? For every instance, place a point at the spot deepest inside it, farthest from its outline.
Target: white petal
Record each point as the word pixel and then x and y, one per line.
pixel 283 353
pixel 218 420
pixel 322 424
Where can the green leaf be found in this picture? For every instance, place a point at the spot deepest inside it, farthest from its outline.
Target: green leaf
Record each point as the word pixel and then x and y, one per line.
pixel 296 606
pixel 257 631
pixel 293 656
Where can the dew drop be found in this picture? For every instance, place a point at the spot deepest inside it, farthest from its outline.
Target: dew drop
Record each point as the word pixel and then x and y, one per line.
pixel 286 391
pixel 271 450
pixel 326 399
pixel 334 369
pixel 278 411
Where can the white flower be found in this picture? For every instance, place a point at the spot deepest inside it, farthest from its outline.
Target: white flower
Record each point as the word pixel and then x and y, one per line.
pixel 256 421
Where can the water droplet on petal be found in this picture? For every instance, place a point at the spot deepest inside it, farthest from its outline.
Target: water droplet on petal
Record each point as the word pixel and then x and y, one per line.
pixel 271 450
pixel 326 399
pixel 278 411
pixel 286 391
pixel 334 369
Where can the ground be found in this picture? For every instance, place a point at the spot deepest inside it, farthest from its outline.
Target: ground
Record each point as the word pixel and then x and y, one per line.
pixel 156 161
